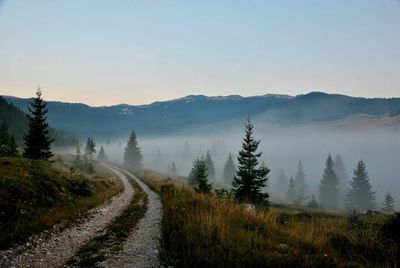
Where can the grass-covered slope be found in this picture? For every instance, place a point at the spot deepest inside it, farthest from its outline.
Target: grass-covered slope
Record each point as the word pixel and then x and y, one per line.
pixel 206 231
pixel 35 195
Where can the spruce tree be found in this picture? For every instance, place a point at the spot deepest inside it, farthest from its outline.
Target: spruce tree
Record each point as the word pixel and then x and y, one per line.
pixel 200 176
pixel 37 140
pixel 102 155
pixel 210 166
pixel 329 186
pixel 360 195
pixel 300 182
pixel 291 192
pixel 229 170
pixel 388 204
pixel 250 178
pixel 133 155
pixel 90 148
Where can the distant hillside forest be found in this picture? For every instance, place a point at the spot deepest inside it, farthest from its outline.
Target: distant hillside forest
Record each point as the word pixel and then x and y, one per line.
pixel 17 122
pixel 197 111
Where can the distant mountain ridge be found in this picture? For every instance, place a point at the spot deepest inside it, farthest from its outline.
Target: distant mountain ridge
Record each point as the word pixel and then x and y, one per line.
pixel 197 110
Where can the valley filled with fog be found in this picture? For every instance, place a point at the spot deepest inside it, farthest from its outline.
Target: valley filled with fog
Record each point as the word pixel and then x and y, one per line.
pixel 283 146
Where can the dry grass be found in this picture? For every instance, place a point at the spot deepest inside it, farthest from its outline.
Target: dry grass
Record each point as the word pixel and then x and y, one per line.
pixel 35 195
pixel 205 231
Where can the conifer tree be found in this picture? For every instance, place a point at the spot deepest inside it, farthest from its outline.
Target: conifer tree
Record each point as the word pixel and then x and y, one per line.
pixel 250 178
pixel 300 182
pixel 360 195
pixel 329 186
pixel 388 204
pixel 200 176
pixel 90 148
pixel 102 155
pixel 229 170
pixel 291 192
pixel 37 140
pixel 210 166
pixel 133 155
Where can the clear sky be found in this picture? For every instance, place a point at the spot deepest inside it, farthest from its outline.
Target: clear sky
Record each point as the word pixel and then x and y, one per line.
pixel 108 52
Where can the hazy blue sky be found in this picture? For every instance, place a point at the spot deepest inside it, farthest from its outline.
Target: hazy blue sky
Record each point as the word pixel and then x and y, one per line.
pixel 107 52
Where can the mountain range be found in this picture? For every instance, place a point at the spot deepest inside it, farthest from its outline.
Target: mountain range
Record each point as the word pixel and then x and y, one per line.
pixel 194 111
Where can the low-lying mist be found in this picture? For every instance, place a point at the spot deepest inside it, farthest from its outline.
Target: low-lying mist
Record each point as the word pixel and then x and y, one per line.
pixel 282 147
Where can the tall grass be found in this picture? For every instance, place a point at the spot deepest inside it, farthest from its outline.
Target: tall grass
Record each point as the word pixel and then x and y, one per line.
pixel 206 231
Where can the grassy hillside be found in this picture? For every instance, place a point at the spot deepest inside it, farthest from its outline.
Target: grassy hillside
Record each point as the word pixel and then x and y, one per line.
pixel 205 231
pixel 35 195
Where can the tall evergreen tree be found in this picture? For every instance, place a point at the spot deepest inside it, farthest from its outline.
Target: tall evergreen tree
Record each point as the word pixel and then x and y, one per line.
pixel 281 184
pixel 342 177
pixel 300 182
pixel 388 204
pixel 229 170
pixel 200 176
pixel 90 148
pixel 210 166
pixel 329 187
pixel 250 178
pixel 133 155
pixel 102 155
pixel 291 192
pixel 360 195
pixel 37 141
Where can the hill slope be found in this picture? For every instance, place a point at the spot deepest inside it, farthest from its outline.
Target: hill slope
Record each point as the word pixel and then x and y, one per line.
pixel 196 111
pixel 18 125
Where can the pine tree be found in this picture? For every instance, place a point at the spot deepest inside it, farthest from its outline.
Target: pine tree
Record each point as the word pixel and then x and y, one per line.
pixel 250 179
pixel 133 155
pixel 291 192
pixel 229 170
pixel 329 187
pixel 300 182
pixel 281 184
pixel 37 141
pixel 360 195
pixel 342 177
pixel 210 166
pixel 388 205
pixel 200 176
pixel 102 155
pixel 90 148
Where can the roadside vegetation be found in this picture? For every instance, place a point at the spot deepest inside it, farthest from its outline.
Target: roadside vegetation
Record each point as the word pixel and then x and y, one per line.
pixel 111 241
pixel 203 230
pixel 36 194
